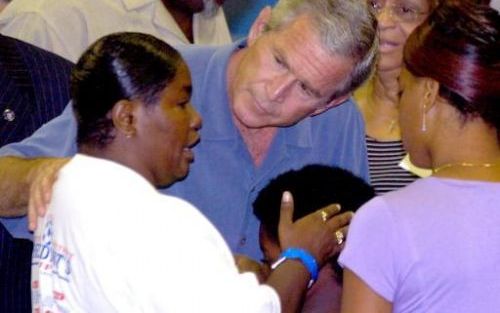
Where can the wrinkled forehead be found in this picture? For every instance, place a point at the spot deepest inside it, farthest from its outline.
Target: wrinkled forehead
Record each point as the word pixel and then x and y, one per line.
pixel 299 45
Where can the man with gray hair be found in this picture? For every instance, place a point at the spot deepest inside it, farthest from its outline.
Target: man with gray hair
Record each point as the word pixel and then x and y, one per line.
pixel 271 103
pixel 68 27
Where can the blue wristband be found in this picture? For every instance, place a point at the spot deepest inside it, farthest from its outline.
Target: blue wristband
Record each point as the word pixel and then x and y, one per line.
pixel 303 256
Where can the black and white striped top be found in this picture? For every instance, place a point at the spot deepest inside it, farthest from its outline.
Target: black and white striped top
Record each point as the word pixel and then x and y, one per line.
pixel 383 160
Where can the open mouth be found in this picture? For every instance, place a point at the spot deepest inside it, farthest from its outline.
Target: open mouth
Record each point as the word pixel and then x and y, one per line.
pixel 188 152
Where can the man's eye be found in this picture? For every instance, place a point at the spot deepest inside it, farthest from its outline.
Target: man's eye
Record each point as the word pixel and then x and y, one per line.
pixel 305 90
pixel 279 61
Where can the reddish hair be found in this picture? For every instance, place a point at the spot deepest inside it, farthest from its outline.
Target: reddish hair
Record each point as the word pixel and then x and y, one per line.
pixel 459 47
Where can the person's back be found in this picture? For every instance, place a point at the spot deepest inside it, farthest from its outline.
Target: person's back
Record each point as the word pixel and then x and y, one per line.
pixel 442 242
pixel 68 27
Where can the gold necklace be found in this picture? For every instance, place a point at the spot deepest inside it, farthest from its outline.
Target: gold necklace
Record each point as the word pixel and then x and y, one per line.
pixel 463 164
pixel 391 121
pixel 392 125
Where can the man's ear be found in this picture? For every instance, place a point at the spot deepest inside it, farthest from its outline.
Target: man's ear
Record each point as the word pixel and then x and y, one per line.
pixel 259 25
pixel 333 103
pixel 124 117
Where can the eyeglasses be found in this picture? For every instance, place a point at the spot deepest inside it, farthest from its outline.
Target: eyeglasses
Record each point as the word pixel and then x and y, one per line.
pixel 399 12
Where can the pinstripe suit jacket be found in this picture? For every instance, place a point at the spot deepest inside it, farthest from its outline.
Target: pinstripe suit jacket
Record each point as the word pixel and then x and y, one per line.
pixel 34 88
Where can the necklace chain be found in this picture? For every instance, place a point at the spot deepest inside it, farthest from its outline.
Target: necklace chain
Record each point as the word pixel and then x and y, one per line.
pixel 392 121
pixel 463 164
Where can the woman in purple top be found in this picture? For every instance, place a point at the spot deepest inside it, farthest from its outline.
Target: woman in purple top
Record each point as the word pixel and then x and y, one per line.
pixel 433 246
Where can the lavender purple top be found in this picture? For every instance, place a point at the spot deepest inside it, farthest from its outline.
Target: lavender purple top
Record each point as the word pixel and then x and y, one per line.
pixel 433 246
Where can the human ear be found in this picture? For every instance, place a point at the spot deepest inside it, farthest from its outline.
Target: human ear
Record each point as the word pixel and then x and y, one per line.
pixel 333 103
pixel 431 91
pixel 259 25
pixel 123 115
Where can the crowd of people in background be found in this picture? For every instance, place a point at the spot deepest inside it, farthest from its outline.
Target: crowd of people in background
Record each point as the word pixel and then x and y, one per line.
pixel 152 150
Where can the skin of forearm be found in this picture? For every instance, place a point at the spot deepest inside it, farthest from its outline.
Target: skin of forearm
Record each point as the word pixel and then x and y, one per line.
pixel 290 281
pixel 15 181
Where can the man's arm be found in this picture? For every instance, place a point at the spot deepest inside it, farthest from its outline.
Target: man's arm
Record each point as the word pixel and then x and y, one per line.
pixel 18 175
pixel 14 185
pixel 27 183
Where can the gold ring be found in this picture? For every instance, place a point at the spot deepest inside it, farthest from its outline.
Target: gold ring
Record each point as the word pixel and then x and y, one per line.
pixel 339 236
pixel 324 215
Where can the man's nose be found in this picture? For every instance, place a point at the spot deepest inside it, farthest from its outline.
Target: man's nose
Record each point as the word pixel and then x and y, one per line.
pixel 279 86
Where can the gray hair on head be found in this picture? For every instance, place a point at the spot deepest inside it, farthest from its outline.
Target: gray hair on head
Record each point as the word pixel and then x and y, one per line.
pixel 346 28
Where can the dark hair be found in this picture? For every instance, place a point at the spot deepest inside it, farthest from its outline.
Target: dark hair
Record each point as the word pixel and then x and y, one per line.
pixel 459 47
pixel 313 187
pixel 119 66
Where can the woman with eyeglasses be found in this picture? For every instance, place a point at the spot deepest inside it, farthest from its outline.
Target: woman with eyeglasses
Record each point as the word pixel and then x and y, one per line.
pixel 378 98
pixel 434 245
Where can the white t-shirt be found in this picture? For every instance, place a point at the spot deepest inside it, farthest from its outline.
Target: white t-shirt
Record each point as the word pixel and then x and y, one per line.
pixel 68 27
pixel 111 243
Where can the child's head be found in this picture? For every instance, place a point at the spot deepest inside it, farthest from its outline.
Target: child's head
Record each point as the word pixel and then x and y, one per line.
pixel 312 187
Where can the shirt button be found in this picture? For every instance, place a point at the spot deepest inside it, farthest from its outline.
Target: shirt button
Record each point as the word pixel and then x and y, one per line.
pixel 243 241
pixel 9 115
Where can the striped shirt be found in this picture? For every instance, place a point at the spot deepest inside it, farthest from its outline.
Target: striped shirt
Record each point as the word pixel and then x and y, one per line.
pixel 383 160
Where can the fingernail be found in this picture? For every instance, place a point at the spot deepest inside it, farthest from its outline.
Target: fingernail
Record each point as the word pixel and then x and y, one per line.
pixel 337 206
pixel 287 197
